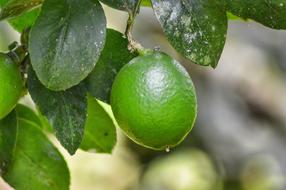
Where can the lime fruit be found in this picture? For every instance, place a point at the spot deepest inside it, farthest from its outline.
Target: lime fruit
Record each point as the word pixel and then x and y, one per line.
pixel 153 100
pixel 11 85
pixel 186 169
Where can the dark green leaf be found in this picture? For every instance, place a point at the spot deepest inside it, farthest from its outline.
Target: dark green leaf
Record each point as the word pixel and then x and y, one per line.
pixel 100 132
pixel 66 41
pixel 196 28
pixel 25 20
pixel 125 5
pixel 268 12
pixel 65 110
pixel 113 57
pixel 16 7
pixel 37 164
pixel 8 135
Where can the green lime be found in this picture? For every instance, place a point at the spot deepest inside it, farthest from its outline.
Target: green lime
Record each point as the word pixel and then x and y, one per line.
pixel 193 168
pixel 153 100
pixel 11 85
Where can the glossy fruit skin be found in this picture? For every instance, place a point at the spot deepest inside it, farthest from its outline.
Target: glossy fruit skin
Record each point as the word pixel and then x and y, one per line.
pixel 11 85
pixel 153 100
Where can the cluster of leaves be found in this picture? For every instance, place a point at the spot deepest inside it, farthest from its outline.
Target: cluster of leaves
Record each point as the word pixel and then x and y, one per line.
pixel 72 60
pixel 25 149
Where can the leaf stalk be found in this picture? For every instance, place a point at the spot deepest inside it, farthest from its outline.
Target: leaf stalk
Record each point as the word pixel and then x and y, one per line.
pixel 133 46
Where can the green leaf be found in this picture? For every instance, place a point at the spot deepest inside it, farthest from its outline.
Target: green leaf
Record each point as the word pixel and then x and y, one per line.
pixel 16 7
pixel 8 134
pixel 267 12
pixel 113 57
pixel 37 164
pixel 231 16
pixel 27 113
pixel 25 20
pixel 124 5
pixel 146 3
pixel 27 159
pixel 66 41
pixel 196 28
pixel 100 132
pixel 65 110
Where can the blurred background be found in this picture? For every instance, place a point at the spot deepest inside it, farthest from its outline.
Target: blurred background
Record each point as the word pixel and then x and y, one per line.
pixel 239 140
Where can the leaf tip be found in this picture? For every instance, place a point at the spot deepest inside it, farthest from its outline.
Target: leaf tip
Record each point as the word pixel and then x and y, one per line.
pixel 71 150
pixel 214 65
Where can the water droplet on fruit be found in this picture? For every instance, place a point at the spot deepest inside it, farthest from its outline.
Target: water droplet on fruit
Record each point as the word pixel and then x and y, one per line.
pixel 167 149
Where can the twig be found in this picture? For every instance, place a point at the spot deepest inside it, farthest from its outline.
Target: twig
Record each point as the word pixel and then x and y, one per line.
pixel 133 45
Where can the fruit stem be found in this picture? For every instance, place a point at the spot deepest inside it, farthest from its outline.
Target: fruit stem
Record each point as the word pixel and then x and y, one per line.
pixel 133 45
pixel 144 51
pixel 18 54
pixel 25 36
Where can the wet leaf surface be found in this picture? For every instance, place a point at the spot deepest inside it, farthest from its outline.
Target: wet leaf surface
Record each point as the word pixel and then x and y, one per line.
pixel 197 29
pixel 267 12
pixel 65 110
pixel 66 41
